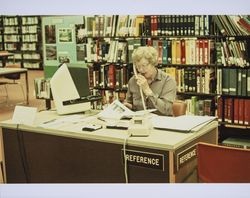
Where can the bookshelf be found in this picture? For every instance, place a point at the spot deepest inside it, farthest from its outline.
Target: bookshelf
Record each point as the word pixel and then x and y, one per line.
pixel 233 75
pixel 31 45
pixel 21 35
pixel 11 39
pixel 199 51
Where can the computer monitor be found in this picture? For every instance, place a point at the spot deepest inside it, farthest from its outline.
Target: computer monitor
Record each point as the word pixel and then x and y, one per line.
pixel 69 85
pixel 81 79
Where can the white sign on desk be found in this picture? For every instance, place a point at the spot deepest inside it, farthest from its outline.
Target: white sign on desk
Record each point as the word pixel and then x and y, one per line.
pixel 24 115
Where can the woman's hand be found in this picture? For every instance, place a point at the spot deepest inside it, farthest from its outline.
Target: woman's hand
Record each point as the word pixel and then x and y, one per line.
pixel 130 106
pixel 143 83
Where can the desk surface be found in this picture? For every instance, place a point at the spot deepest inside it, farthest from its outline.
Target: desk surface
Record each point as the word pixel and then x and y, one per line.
pixel 158 139
pixel 4 71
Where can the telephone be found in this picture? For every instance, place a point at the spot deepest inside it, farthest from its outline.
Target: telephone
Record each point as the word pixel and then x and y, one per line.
pixel 140 125
pixel 142 96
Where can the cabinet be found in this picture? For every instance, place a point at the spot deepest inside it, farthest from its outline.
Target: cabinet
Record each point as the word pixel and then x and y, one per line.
pixel 21 35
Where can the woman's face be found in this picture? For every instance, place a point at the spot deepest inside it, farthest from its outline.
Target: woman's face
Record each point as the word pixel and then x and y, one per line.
pixel 145 68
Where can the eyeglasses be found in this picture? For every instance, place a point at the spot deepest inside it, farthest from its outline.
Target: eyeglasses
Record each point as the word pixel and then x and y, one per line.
pixel 142 68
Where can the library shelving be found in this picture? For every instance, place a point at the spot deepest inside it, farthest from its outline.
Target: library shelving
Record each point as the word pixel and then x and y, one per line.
pixel 21 35
pixel 233 77
pixel 197 50
pixel 31 45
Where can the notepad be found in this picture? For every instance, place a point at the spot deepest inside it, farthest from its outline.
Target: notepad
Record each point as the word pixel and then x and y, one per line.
pixel 185 123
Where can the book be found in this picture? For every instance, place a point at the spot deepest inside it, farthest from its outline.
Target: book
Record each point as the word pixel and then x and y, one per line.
pixel 236 111
pixel 236 142
pixel 220 109
pixel 233 81
pixel 247 112
pixel 241 110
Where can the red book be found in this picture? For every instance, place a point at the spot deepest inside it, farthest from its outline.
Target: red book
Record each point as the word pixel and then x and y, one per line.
pixel 236 110
pixel 183 52
pixel 205 51
pixel 230 110
pixel 111 76
pixel 201 52
pixel 241 110
pixel 225 115
pixel 247 112
pixel 244 24
pixel 219 109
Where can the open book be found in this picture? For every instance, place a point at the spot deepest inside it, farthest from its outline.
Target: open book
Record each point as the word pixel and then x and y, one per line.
pixel 117 110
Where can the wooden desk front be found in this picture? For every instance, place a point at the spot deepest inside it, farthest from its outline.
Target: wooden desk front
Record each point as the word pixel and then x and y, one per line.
pixel 37 155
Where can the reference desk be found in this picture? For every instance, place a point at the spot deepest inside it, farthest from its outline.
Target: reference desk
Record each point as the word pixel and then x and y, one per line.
pixel 69 155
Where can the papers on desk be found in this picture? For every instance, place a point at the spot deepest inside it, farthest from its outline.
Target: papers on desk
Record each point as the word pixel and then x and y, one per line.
pixel 64 122
pixel 185 123
pixel 24 115
pixel 117 110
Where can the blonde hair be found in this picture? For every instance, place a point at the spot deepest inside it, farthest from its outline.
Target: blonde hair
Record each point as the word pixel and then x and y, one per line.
pixel 147 52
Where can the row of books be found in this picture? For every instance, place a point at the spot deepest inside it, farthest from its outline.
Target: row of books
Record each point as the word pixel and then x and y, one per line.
pixel 233 81
pixel 199 107
pixel 233 25
pixel 11 30
pixel 42 88
pixel 193 79
pixel 31 65
pixel 110 76
pixel 232 52
pixel 25 29
pixel 142 25
pixel 236 142
pixel 170 51
pixel 188 79
pixel 25 20
pixel 234 110
pixel 10 21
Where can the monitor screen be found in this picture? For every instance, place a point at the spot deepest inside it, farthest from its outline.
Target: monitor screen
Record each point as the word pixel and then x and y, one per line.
pixel 68 86
pixel 81 79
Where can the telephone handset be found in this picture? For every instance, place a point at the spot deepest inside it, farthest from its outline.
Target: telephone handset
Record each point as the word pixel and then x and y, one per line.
pixel 142 96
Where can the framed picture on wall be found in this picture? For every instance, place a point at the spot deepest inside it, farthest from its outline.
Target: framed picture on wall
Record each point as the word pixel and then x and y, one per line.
pixel 65 35
pixel 50 34
pixel 63 57
pixel 50 52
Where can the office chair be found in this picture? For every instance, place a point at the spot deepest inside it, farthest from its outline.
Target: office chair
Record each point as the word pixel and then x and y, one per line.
pixel 179 108
pixel 12 79
pixel 221 164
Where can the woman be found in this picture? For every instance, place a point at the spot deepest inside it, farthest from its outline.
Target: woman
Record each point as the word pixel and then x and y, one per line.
pixel 158 88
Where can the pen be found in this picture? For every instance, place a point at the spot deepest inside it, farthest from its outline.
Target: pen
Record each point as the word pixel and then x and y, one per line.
pixel 49 121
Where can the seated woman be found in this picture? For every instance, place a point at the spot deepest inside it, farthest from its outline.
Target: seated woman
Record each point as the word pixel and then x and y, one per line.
pixel 159 89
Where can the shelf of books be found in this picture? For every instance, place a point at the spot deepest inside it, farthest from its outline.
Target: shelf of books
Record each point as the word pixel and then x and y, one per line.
pixel 21 35
pixel 233 75
pixel 207 55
